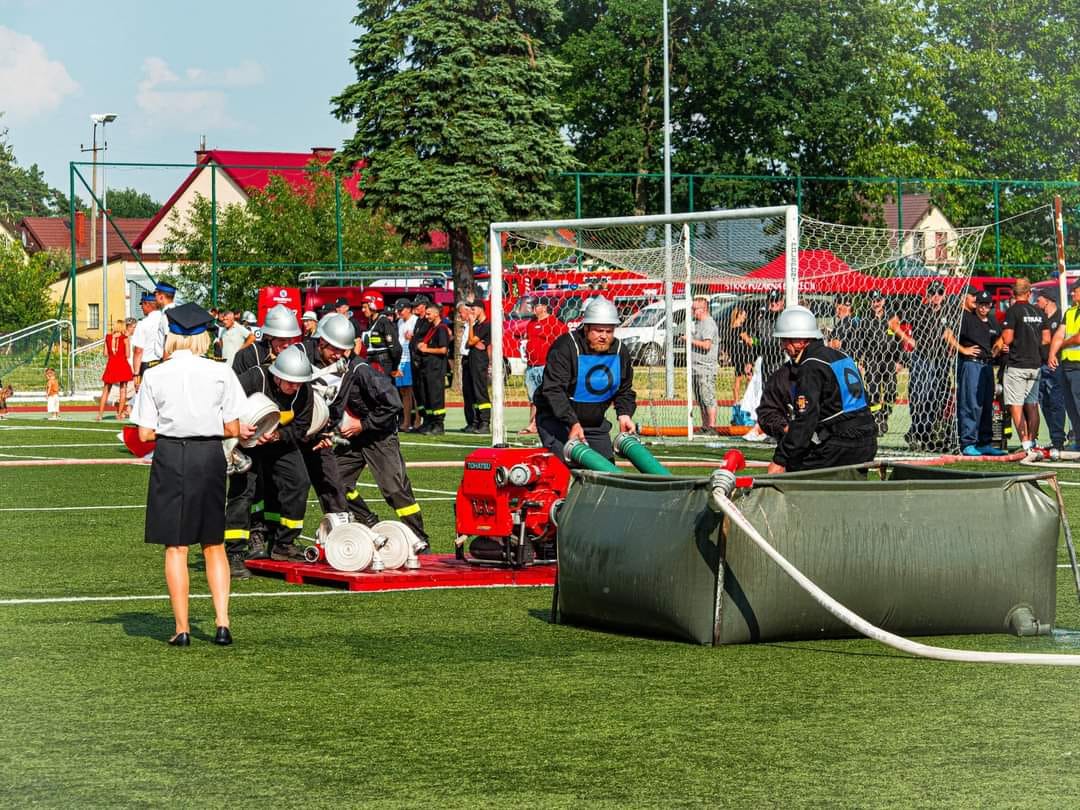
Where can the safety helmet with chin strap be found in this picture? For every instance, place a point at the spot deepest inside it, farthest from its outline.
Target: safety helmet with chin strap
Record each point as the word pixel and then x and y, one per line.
pixel 281 323
pixel 373 298
pixel 601 312
pixel 796 322
pixel 292 365
pixel 337 330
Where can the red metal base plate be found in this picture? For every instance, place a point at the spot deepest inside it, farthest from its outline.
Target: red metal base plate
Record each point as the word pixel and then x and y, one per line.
pixel 436 571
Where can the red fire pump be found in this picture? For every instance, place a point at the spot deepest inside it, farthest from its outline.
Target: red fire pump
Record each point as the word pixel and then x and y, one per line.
pixel 508 502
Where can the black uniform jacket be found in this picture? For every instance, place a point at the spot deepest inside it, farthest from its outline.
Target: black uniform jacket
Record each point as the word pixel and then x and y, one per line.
pixel 822 410
pixel 561 380
pixel 382 343
pixel 369 396
pixel 777 406
pixel 295 408
pixel 257 354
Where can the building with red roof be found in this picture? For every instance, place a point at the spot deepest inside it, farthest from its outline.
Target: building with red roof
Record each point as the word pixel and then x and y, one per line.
pixel 54 233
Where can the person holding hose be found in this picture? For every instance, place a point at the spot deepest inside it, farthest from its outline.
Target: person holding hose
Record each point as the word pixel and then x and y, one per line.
pixel 587 371
pixel 832 424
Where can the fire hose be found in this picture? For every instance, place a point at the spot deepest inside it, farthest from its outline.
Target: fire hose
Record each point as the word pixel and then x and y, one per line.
pixel 724 484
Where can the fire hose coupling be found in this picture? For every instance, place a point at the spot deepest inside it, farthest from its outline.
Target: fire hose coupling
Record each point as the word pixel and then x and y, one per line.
pixel 578 452
pixel 722 481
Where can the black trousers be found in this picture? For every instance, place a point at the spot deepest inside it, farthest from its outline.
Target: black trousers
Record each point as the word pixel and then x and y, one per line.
pixel 418 387
pixel 554 434
pixel 381 453
pixel 280 467
pixel 474 387
pixel 432 382
pixel 322 470
pixel 469 400
pixel 836 452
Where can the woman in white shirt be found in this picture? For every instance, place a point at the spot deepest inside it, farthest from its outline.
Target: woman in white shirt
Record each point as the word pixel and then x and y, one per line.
pixel 188 404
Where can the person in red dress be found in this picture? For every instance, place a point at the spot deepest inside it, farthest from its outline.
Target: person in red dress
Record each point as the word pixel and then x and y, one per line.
pixel 117 370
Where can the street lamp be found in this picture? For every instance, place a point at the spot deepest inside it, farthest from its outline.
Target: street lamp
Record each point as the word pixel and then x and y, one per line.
pixel 103 119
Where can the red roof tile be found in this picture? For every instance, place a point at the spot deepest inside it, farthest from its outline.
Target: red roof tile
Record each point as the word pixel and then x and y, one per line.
pixel 53 233
pixel 252 170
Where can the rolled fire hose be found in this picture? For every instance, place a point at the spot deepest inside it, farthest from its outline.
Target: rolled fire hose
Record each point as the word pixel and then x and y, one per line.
pixel 580 453
pixel 629 447
pixel 724 485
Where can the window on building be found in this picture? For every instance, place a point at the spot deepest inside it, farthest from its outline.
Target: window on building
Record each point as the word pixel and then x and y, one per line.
pixel 918 245
pixel 941 246
pixel 93 316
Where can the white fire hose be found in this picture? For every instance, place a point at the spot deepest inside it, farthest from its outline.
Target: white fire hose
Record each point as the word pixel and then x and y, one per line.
pixel 724 484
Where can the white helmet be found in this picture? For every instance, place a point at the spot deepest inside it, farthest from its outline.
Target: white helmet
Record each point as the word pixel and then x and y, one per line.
pixel 249 318
pixel 337 330
pixel 601 312
pixel 796 322
pixel 292 365
pixel 281 323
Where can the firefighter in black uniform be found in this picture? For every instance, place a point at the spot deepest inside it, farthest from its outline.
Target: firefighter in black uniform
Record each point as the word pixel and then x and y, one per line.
pixel 368 410
pixel 832 425
pixel 381 338
pixel 876 350
pixel 326 350
pixel 587 372
pixel 279 330
pixel 476 366
pixel 434 347
pixel 276 460
pixel 420 307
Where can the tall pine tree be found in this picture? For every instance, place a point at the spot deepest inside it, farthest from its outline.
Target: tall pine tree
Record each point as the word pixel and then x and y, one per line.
pixel 456 116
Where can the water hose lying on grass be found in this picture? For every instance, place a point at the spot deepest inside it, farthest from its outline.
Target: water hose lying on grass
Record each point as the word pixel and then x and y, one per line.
pixel 723 485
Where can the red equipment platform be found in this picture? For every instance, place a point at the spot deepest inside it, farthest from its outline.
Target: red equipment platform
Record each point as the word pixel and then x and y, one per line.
pixel 436 571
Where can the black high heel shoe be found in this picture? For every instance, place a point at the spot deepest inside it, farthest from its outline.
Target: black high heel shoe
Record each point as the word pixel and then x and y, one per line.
pixel 180 640
pixel 223 637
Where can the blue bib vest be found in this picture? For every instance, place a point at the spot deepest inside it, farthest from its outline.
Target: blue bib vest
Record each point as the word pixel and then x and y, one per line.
pixel 852 390
pixel 598 378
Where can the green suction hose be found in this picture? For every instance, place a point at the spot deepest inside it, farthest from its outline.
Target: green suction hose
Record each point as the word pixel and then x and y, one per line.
pixel 584 456
pixel 629 447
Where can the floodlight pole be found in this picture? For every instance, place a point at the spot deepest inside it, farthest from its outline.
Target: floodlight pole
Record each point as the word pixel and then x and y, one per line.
pixel 104 234
pixel 669 295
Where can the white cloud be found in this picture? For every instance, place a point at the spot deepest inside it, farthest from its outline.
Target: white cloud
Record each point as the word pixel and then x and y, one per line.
pixel 195 102
pixel 30 82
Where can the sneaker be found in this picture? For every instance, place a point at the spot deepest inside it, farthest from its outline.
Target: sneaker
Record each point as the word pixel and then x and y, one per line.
pixel 972 450
pixel 287 552
pixel 1027 446
pixel 990 450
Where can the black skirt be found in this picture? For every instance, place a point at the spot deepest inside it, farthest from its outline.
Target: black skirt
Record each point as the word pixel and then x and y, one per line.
pixel 185 505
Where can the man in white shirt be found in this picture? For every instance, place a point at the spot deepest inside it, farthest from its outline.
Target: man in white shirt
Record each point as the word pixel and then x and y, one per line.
pixel 403 377
pixel 232 337
pixel 163 295
pixel 145 353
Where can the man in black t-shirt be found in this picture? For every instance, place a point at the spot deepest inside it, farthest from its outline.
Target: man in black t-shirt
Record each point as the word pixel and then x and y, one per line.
pixel 434 347
pixel 1024 335
pixel 1052 380
pixel 976 347
pixel 475 368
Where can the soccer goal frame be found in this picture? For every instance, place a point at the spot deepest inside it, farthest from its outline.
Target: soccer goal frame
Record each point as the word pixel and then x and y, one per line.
pixel 682 222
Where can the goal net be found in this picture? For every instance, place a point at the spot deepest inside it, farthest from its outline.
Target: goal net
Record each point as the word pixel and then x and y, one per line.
pixel 729 274
pixel 26 354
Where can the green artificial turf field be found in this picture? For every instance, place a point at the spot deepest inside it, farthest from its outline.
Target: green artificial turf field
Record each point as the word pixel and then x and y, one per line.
pixel 462 698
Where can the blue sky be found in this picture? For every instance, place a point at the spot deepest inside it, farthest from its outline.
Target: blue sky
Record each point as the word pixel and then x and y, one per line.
pixel 248 75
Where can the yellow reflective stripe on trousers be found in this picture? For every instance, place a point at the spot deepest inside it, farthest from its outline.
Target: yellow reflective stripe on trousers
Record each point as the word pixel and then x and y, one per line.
pixel 438 412
pixel 405 511
pixel 257 507
pixel 289 523
pixel 272 517
pixel 352 495
pixel 484 406
pixel 237 534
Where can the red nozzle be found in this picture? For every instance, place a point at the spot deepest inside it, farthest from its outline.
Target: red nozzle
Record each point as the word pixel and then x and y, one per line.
pixel 734 461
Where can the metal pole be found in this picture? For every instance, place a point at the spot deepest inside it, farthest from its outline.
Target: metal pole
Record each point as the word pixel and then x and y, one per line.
pixel 997 232
pixel 1059 238
pixel 213 237
pixel 339 225
pixel 689 337
pixel 791 269
pixel 495 268
pixel 93 200
pixel 74 263
pixel 669 293
pixel 104 234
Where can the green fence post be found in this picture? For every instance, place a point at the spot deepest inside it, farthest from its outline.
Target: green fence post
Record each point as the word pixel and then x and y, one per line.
pixel 690 193
pixel 997 228
pixel 577 195
pixel 213 236
pixel 72 272
pixel 798 192
pixel 338 226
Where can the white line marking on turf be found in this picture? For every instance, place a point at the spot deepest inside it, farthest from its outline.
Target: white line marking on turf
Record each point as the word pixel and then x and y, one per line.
pixel 48 427
pixel 47 446
pixel 32 458
pixel 59 600
pixel 70 508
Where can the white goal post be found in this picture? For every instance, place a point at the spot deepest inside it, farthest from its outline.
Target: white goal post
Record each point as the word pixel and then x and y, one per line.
pixel 635 244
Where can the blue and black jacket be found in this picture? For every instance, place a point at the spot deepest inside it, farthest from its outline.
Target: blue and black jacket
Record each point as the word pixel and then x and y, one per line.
pixel 580 385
